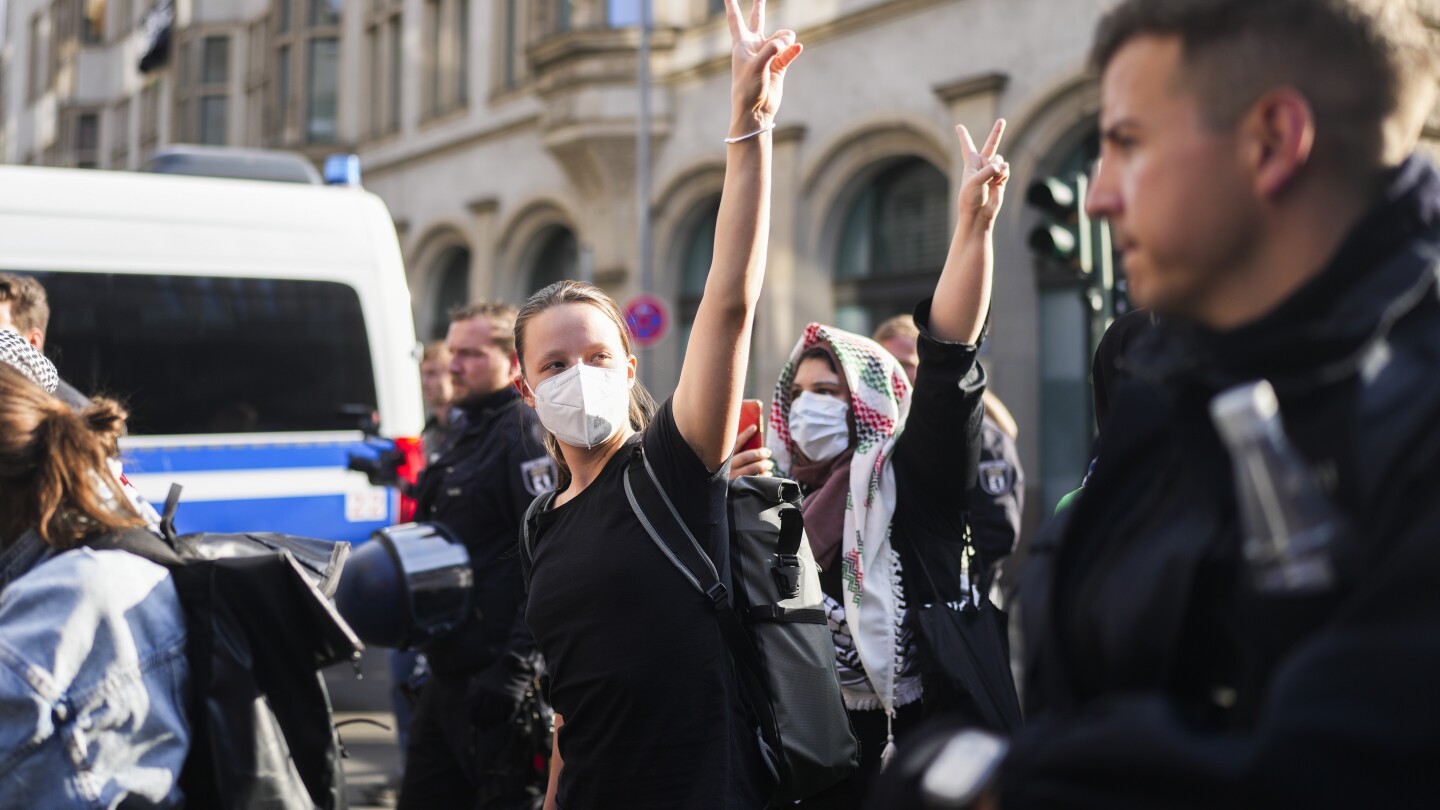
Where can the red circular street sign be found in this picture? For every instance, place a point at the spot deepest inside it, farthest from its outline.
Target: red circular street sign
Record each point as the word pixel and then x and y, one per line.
pixel 648 319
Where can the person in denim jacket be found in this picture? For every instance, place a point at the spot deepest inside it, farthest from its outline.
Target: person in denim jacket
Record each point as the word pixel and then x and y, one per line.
pixel 93 674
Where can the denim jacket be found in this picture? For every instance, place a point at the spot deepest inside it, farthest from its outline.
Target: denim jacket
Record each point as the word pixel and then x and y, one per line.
pixel 93 679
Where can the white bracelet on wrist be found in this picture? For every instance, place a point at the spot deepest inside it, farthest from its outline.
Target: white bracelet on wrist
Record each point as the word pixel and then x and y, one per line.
pixel 756 133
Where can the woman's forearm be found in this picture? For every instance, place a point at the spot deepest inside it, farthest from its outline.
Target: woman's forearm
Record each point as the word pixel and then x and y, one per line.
pixel 556 763
pixel 962 296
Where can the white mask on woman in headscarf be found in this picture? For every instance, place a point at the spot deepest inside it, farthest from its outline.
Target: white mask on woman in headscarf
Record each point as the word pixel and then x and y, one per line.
pixel 819 426
pixel 584 406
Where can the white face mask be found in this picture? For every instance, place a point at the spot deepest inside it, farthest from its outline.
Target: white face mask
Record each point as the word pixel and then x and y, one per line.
pixel 584 406
pixel 819 427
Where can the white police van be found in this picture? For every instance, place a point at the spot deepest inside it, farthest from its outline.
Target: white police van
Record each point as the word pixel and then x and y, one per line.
pixel 257 331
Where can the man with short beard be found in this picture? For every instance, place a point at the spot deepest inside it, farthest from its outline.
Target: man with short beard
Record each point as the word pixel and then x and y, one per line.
pixel 462 742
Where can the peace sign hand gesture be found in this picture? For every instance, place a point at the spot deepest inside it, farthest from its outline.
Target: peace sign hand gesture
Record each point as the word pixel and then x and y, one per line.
pixel 757 67
pixel 982 186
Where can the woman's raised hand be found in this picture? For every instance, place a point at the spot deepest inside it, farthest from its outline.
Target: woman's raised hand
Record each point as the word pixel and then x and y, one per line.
pixel 757 68
pixel 982 186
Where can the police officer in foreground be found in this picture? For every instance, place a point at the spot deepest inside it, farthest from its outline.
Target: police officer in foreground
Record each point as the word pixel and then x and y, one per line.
pixel 1258 174
pixel 463 743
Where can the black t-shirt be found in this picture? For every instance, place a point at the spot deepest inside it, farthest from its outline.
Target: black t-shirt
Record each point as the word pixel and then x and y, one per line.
pixel 638 666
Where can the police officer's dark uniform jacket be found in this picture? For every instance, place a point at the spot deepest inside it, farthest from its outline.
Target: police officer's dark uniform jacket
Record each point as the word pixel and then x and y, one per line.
pixel 998 501
pixel 479 488
pixel 1157 677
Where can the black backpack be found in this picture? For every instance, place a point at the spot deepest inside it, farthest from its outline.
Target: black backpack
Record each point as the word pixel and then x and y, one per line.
pixel 771 613
pixel 260 627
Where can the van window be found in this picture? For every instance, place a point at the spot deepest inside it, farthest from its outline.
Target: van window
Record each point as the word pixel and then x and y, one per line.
pixel 192 355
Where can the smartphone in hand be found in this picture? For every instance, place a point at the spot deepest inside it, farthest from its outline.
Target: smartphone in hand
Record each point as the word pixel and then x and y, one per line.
pixel 750 415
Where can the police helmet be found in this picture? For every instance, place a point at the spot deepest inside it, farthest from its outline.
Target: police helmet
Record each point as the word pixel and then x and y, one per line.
pixel 409 586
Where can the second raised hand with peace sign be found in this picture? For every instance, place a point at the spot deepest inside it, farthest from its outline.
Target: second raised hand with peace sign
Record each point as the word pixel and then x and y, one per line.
pixel 757 64
pixel 962 297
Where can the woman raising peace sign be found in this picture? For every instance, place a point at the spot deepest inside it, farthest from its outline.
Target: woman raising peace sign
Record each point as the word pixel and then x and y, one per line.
pixel 647 707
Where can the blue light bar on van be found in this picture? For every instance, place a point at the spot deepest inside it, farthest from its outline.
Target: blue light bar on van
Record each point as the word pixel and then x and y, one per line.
pixel 342 170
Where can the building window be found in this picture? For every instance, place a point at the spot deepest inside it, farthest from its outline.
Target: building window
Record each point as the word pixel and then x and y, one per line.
pixel 892 245
pixel 452 288
pixel 322 90
pixel 87 140
pixel 213 120
pixel 447 60
pixel 120 136
pixel 324 13
pixel 383 37
pixel 307 62
pixel 698 252
pixel 215 61
pixel 92 28
pixel 554 255
pixel 203 94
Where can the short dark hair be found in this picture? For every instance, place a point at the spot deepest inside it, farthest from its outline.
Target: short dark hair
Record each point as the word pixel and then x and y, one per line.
pixel 501 316
pixel 1363 65
pixel 29 306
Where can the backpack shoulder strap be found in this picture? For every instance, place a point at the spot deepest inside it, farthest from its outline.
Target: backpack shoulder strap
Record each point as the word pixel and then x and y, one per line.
pixel 527 532
pixel 662 521
pixel 139 542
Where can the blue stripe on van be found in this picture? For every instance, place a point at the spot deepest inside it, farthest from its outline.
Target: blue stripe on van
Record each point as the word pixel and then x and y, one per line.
pixel 321 517
pixel 241 457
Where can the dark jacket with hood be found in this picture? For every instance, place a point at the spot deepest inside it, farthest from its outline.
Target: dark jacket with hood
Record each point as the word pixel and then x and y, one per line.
pixel 1157 677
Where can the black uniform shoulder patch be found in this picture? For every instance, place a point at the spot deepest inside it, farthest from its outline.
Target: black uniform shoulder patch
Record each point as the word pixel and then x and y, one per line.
pixel 539 475
pixel 997 477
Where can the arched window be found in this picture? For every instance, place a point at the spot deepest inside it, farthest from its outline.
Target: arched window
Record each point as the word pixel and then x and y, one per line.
pixel 892 244
pixel 452 288
pixel 698 249
pixel 554 255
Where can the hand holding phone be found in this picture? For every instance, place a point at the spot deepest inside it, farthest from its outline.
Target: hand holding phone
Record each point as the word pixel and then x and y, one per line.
pixel 750 417
pixel 751 457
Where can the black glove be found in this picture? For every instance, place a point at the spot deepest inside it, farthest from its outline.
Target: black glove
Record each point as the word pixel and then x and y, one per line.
pixel 496 691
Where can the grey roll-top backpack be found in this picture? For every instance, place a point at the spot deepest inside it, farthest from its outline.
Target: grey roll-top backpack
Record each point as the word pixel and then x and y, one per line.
pixel 772 615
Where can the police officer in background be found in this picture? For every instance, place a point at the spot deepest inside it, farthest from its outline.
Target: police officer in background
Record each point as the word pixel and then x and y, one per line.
pixel 438 392
pixel 1259 176
pixel 463 743
pixel 999 502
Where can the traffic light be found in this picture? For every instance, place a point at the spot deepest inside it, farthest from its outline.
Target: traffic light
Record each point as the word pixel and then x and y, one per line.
pixel 1064 234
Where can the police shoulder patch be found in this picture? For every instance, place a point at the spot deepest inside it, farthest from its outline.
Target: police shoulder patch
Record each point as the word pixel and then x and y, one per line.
pixel 996 476
pixel 538 475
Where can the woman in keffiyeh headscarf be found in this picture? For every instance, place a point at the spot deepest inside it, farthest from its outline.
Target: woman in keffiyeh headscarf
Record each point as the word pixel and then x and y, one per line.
pixel 883 466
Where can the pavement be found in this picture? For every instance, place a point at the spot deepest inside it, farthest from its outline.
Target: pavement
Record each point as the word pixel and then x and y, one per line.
pixel 373 753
